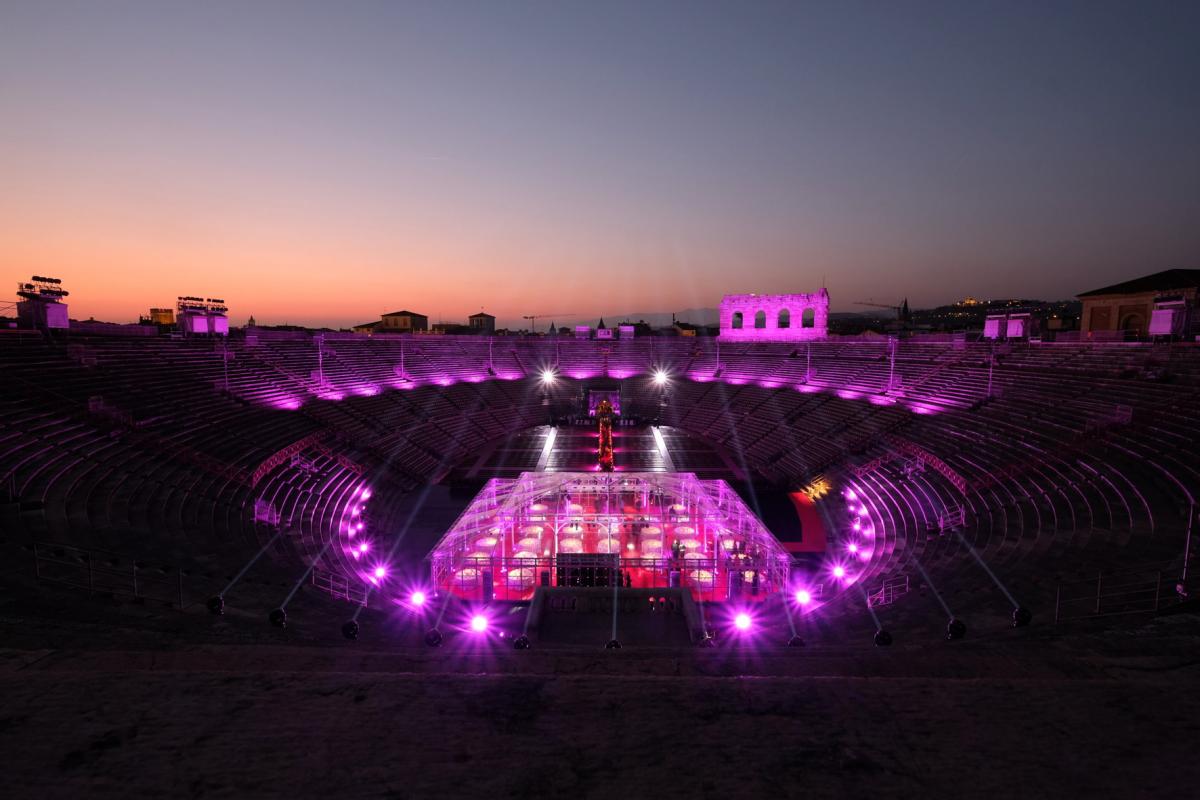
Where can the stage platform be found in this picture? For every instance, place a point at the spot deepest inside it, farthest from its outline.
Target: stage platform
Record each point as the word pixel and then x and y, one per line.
pixel 592 529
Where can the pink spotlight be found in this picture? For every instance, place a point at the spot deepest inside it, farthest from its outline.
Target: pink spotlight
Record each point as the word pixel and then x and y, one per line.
pixel 366 493
pixel 479 623
pixel 839 571
pixel 364 547
pixel 742 621
pixel 862 511
pixel 380 572
pixel 803 597
pixel 853 548
pixel 850 494
pixel 417 598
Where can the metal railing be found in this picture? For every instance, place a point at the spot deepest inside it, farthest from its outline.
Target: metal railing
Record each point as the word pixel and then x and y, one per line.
pixel 102 572
pixel 511 578
pixel 952 519
pixel 1130 592
pixel 339 587
pixel 891 591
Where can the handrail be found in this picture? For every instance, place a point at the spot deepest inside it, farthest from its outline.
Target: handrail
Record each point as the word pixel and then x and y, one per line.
pixel 338 587
pixel 1119 597
pixel 84 572
pixel 891 591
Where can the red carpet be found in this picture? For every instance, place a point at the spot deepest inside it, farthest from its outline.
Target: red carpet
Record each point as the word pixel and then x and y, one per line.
pixel 812 526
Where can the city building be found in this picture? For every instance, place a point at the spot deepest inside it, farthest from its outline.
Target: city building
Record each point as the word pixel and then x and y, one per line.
pixel 1159 304
pixel 482 323
pixel 403 322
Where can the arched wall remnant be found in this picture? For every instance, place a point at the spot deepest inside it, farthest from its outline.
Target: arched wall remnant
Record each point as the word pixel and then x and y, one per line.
pixel 773 317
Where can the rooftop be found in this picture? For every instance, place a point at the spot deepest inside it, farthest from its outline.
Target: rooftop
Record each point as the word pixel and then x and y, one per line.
pixel 1159 281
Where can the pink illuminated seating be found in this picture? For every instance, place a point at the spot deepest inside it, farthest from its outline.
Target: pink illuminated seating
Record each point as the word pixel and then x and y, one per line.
pixel 139 438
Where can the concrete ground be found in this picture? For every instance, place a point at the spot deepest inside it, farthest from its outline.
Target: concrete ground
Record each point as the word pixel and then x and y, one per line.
pixel 104 698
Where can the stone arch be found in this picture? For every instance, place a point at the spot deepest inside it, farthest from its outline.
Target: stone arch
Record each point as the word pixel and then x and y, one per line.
pixel 808 319
pixel 760 319
pixel 785 319
pixel 1133 322
pixel 736 322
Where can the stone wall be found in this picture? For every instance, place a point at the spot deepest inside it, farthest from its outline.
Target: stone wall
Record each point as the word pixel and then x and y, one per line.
pixel 775 317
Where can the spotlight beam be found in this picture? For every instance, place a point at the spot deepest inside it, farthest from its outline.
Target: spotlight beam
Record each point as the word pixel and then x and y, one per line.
pixel 987 569
pixel 396 541
pixel 399 537
pixel 300 581
pixel 528 614
pixel 787 610
pixel 932 588
pixel 251 563
pixel 867 603
pixel 616 587
pixel 547 449
pixel 703 621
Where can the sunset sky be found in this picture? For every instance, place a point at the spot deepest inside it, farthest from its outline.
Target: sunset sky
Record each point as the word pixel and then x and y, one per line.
pixel 321 163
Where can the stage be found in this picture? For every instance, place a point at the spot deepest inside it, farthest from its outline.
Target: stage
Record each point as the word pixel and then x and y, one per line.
pixel 643 529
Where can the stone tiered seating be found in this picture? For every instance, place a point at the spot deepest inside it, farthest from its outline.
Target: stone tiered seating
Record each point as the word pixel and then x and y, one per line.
pixel 1080 453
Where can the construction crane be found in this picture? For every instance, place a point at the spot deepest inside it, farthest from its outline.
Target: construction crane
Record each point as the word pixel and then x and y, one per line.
pixel 901 309
pixel 533 318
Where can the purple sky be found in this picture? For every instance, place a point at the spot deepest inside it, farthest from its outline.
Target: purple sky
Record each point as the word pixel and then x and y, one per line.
pixel 324 162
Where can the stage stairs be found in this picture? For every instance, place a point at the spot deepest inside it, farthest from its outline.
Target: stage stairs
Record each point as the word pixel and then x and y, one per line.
pixel 645 617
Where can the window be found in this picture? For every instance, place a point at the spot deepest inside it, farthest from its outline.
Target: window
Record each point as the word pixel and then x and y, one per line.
pixel 785 319
pixel 760 319
pixel 1132 322
pixel 808 319
pixel 737 320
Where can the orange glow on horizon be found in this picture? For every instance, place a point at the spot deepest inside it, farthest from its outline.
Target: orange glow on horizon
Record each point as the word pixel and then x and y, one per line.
pixel 120 259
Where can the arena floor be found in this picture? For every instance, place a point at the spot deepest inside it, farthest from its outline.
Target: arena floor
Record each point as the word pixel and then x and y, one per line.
pixel 119 700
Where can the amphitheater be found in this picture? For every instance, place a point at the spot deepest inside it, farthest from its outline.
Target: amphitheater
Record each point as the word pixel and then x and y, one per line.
pixel 1040 495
